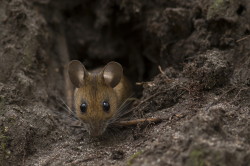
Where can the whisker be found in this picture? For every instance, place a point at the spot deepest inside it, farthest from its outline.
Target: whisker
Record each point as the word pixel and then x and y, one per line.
pixel 128 100
pixel 66 108
pixel 122 111
pixel 118 116
pixel 113 131
pixel 125 105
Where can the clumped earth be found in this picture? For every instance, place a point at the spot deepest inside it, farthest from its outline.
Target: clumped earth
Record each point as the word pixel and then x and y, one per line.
pixel 191 59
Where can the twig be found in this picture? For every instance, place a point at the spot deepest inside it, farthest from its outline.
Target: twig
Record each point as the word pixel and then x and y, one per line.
pixel 137 121
pixel 244 38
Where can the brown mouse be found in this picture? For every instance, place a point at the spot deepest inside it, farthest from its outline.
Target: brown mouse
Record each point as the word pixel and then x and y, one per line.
pixel 98 95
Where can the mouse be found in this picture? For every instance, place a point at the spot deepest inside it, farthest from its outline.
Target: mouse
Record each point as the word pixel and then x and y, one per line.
pixel 99 94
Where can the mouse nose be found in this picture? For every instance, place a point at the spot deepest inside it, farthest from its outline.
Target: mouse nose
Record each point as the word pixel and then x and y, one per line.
pixel 96 129
pixel 95 133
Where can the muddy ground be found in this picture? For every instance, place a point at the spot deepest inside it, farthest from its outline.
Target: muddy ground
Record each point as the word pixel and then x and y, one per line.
pixel 201 90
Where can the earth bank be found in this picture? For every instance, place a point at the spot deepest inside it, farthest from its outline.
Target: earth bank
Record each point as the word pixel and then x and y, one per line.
pixel 201 92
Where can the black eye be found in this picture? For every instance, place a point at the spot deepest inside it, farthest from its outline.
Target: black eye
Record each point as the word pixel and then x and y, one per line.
pixel 106 106
pixel 83 107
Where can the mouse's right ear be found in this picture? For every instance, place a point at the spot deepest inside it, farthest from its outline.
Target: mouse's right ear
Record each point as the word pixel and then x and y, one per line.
pixel 77 72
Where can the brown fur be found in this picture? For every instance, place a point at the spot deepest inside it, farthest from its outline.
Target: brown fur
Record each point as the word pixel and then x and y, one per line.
pixel 94 91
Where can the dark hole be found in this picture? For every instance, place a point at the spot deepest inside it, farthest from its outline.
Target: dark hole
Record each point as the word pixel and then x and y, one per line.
pixel 240 9
pixel 217 128
pixel 247 32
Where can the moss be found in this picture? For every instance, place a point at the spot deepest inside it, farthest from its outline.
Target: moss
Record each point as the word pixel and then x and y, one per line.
pixel 133 157
pixel 217 7
pixel 203 157
pixel 196 158
pixel 217 4
pixel 4 152
pixel 2 103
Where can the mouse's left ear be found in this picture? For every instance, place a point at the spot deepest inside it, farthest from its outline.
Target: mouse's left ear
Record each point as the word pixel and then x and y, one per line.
pixel 112 73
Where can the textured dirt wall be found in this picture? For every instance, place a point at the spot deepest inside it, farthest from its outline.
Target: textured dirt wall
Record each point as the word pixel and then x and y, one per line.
pixel 202 92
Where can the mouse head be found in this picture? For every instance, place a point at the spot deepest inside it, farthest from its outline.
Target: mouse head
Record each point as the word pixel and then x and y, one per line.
pixel 95 99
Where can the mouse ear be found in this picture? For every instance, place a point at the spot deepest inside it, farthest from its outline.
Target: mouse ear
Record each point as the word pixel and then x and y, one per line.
pixel 77 72
pixel 112 73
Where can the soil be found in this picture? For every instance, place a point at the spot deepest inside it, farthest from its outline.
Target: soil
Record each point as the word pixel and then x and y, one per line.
pixel 189 62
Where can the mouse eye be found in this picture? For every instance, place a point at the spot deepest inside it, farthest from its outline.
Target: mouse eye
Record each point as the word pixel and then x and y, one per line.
pixel 83 107
pixel 106 106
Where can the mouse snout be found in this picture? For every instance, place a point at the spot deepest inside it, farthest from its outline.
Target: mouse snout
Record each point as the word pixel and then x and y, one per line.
pixel 96 129
pixel 95 133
